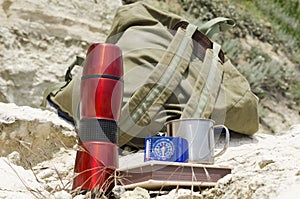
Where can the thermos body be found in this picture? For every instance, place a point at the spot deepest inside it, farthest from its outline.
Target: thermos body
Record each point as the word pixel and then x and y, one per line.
pixel 95 165
pixel 94 90
pixel 101 100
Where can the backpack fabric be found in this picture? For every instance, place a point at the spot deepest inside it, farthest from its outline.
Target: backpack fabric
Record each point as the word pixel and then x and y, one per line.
pixel 171 70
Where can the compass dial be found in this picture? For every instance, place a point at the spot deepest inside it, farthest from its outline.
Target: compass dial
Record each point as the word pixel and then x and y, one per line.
pixel 163 149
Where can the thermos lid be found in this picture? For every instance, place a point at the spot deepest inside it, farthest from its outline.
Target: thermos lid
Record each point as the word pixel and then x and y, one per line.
pixel 105 59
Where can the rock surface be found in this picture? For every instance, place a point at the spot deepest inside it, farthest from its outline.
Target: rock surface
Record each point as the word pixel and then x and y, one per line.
pixel 36 134
pixel 39 39
pixel 263 166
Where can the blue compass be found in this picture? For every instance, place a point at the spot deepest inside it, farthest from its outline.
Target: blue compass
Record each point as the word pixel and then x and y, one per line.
pixel 163 149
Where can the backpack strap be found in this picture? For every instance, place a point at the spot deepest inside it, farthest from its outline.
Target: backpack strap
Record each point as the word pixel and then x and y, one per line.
pixel 49 90
pixel 165 77
pixel 68 77
pixel 78 62
pixel 216 25
pixel 205 90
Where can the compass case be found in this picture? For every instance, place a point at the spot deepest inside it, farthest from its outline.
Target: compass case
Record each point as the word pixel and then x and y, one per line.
pixel 163 148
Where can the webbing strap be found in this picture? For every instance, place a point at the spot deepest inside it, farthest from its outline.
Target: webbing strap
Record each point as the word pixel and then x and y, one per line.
pixel 216 25
pixel 162 81
pixel 165 78
pixel 207 85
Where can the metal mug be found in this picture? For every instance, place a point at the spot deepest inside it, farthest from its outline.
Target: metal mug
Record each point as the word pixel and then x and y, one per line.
pixel 200 136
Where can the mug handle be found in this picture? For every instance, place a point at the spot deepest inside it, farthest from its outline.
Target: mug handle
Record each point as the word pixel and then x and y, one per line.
pixel 227 137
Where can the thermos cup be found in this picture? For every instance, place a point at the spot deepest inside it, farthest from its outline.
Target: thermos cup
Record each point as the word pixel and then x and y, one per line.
pixel 200 134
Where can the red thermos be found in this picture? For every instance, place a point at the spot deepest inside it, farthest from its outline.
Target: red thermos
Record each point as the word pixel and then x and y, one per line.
pixel 101 98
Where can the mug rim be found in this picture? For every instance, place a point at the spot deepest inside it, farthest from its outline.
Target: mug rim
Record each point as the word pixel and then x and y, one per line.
pixel 185 119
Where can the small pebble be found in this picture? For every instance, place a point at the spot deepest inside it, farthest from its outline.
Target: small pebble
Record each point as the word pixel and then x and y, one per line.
pixel 14 158
pixel 62 195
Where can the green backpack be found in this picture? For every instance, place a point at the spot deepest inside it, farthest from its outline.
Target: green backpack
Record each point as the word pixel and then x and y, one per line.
pixel 171 70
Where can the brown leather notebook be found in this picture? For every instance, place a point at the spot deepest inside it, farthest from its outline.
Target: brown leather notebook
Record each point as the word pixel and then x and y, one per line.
pixel 155 175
